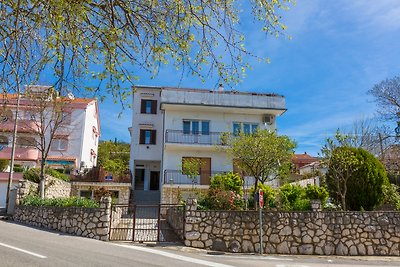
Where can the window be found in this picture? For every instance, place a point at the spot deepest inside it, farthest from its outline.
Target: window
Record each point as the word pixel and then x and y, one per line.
pixel 148 106
pixel 26 142
pixel 59 144
pixel 3 141
pixel 147 137
pixel 85 194
pixel 196 127
pixel 244 127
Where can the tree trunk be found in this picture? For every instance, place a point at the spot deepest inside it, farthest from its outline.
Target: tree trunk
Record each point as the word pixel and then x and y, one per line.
pixel 42 182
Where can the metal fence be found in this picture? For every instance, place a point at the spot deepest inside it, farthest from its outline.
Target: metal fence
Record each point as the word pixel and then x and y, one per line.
pixel 147 223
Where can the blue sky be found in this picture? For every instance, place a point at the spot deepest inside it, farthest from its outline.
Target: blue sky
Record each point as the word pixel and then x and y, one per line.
pixel 338 51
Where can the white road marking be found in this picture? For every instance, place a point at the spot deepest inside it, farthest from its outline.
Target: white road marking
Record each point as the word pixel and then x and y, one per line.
pixel 175 256
pixel 281 265
pixel 251 257
pixel 24 251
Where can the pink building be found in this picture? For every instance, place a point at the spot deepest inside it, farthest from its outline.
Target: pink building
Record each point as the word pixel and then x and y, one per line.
pixel 75 142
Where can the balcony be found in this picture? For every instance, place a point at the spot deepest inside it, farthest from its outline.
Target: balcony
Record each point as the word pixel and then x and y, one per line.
pixel 24 126
pixel 28 154
pixel 177 177
pixel 179 137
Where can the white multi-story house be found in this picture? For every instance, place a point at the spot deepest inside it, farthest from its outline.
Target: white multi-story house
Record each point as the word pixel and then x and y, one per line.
pixel 75 143
pixel 170 125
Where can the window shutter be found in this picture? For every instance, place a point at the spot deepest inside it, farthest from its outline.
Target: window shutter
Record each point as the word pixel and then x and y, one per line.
pixel 142 136
pixel 153 137
pixel 143 106
pixel 153 106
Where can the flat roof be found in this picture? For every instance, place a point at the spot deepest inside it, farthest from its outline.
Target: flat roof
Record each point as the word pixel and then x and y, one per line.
pixel 207 90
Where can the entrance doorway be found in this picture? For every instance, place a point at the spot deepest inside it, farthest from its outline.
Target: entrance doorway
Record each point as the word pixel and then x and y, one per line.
pixel 139 179
pixel 154 180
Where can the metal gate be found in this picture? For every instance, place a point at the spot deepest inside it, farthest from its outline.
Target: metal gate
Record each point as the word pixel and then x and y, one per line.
pixel 147 223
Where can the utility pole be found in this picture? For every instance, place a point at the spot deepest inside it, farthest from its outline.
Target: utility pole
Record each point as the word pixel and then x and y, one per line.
pixel 11 173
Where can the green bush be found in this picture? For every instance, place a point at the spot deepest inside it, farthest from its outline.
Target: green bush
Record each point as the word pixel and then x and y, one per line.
pixel 269 195
pixel 57 174
pixel 364 188
pixel 228 182
pixel 18 168
pixel 33 174
pixel 33 200
pixel 3 164
pixel 289 194
pixel 391 195
pixel 317 192
pixel 217 199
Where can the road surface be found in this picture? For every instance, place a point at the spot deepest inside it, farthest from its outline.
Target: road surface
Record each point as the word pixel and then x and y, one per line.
pixel 22 245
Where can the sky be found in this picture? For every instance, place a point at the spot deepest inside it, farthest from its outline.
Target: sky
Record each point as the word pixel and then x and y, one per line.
pixel 338 50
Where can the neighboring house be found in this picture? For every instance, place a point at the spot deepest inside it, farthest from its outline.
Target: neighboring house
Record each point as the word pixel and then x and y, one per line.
pixel 171 125
pixel 300 160
pixel 391 161
pixel 75 143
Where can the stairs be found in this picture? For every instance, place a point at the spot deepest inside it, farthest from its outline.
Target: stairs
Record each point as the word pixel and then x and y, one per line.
pixel 141 197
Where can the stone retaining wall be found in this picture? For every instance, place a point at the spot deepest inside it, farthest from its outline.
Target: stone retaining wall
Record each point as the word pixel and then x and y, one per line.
pixel 321 233
pixel 86 222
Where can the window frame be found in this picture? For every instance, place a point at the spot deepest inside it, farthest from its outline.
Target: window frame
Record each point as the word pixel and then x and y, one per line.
pixel 195 131
pixel 144 107
pixel 59 141
pixel 152 138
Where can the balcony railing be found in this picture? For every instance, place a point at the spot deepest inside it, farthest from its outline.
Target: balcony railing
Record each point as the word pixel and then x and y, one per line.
pixel 177 177
pixel 180 137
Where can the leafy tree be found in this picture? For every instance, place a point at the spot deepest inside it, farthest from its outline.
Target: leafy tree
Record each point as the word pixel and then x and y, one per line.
pixel 365 184
pixel 198 37
pixel 228 182
pixel 114 156
pixel 341 161
pixel 262 154
pixel 269 195
pixel 355 177
pixel 387 97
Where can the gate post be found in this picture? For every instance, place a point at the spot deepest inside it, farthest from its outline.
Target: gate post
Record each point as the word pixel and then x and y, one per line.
pixel 134 222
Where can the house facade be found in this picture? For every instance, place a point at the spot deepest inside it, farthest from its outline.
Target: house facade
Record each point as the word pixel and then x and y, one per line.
pixel 75 139
pixel 171 125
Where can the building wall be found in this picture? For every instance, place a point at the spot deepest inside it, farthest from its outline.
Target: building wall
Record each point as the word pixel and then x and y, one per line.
pixel 89 138
pixel 146 121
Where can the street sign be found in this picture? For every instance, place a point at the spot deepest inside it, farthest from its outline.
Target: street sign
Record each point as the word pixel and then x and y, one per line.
pixel 261 198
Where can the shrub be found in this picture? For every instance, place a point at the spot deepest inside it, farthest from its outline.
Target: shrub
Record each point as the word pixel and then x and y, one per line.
pixel 3 164
pixel 228 182
pixel 33 200
pixel 217 199
pixel 18 168
pixel 269 195
pixel 391 196
pixel 364 188
pixel 57 174
pixel 33 175
pixel 289 194
pixel 317 192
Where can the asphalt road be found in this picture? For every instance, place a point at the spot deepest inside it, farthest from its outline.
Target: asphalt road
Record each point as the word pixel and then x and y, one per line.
pixel 27 246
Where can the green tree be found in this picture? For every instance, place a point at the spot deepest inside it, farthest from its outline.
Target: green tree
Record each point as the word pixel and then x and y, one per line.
pixel 114 156
pixel 351 169
pixel 365 184
pixel 262 154
pixel 198 37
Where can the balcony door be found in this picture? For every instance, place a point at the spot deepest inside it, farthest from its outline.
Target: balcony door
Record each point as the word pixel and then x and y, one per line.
pixel 204 169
